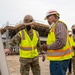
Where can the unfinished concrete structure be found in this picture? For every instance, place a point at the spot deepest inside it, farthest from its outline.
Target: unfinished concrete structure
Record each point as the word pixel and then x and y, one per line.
pixel 9 31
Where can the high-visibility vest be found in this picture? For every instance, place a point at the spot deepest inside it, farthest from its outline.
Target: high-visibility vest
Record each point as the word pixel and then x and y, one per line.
pixel 72 41
pixel 61 54
pixel 72 44
pixel 28 47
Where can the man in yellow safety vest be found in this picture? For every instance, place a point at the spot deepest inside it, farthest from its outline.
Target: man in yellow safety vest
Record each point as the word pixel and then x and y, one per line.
pixel 28 40
pixel 58 46
pixel 73 45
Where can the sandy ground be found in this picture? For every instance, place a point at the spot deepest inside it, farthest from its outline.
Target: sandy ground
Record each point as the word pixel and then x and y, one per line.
pixel 14 65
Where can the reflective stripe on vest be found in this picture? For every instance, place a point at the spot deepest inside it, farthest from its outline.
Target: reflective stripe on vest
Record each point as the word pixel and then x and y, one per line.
pixel 27 48
pixel 62 54
pixel 59 52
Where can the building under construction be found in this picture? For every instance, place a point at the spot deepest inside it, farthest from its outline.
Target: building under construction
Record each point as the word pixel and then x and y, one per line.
pixel 9 31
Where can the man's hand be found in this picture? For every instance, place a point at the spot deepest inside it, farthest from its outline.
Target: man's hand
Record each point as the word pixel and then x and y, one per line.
pixel 43 57
pixel 43 47
pixel 7 51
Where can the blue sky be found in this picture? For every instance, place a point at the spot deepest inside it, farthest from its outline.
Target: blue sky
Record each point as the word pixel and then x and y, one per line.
pixel 15 10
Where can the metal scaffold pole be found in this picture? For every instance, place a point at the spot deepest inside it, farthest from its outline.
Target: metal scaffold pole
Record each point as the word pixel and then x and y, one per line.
pixel 3 63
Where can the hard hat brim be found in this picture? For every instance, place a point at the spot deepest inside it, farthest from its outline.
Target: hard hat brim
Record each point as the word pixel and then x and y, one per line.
pixel 45 18
pixel 28 23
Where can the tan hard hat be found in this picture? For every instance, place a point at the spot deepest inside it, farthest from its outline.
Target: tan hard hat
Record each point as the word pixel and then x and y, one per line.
pixel 28 19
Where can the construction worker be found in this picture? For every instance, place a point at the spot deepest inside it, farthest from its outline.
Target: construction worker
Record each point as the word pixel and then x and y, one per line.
pixel 70 63
pixel 28 40
pixel 73 44
pixel 58 47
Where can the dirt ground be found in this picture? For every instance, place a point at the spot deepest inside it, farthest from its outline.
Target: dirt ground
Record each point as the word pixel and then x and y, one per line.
pixel 14 65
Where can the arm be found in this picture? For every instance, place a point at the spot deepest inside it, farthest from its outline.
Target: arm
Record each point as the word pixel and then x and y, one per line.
pixel 15 40
pixel 38 44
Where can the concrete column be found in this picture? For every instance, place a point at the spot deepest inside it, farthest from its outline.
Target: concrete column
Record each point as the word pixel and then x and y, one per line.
pixel 0 72
pixel 7 38
pixel 3 62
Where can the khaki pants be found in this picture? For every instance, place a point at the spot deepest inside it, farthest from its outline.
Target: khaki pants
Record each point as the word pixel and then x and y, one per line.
pixel 26 64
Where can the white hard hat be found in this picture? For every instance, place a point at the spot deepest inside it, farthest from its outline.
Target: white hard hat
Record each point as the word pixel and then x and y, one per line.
pixel 50 12
pixel 70 33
